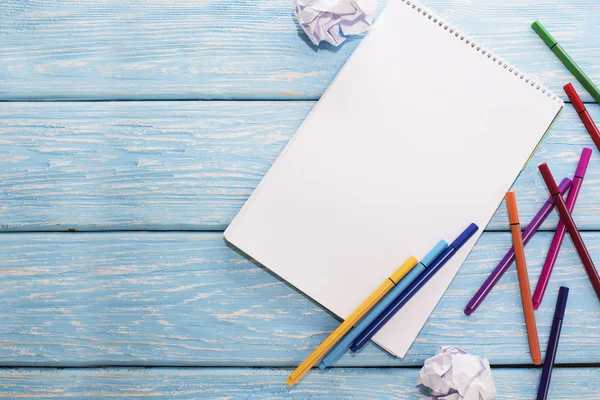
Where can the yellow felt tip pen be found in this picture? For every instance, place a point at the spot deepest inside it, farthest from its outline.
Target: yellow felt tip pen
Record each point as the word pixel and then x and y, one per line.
pixel 352 320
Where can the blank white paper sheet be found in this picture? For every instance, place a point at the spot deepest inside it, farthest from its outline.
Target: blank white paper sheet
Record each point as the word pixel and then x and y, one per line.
pixel 421 133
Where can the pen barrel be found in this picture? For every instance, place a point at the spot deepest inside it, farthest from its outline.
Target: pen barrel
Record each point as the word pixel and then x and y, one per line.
pixel 583 163
pixel 513 213
pixel 551 349
pixel 555 245
pixel 406 295
pixel 585 116
pixel 591 127
pixel 581 76
pixel 576 101
pixel 549 180
pixel 534 345
pixel 561 302
pixel 550 358
pixel 401 300
pixel 515 231
pixel 582 251
pixel 543 33
pixel 509 257
pixel 573 194
pixel 341 330
pixel 549 264
pixel 344 344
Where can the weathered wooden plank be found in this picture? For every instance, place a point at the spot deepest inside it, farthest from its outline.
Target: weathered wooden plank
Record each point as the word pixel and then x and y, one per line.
pixel 187 299
pixel 232 383
pixel 136 165
pixel 189 165
pixel 156 49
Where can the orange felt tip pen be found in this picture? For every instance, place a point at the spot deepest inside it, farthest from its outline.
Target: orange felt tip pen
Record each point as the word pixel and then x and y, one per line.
pixel 517 239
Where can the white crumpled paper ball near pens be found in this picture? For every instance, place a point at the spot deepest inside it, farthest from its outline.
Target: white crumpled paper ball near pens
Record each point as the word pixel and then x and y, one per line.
pixel 454 374
pixel 332 20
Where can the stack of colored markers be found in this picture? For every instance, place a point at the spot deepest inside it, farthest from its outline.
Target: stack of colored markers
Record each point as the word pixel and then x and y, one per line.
pixel 517 253
pixel 566 224
pixel 401 286
pixel 381 305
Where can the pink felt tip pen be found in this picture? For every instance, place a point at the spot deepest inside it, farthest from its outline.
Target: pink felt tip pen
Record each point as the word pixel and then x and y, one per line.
pixel 559 235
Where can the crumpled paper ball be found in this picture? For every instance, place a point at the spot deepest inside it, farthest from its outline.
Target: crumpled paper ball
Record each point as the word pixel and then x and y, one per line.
pixel 454 374
pixel 323 19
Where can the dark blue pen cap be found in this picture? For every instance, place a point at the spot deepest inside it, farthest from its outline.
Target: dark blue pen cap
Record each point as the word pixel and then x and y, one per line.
pixel 463 237
pixel 561 302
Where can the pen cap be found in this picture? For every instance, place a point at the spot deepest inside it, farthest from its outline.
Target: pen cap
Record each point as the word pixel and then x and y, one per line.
pixel 543 33
pixel 564 185
pixel 511 204
pixel 464 236
pixel 548 178
pixel 574 97
pixel 583 162
pixel 561 302
pixel 404 269
pixel 434 253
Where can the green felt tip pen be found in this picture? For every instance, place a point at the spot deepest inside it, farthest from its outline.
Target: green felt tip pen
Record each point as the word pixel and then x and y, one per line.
pixel 566 60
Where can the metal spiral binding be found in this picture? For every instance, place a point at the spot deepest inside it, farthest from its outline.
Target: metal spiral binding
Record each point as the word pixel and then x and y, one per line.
pixel 483 51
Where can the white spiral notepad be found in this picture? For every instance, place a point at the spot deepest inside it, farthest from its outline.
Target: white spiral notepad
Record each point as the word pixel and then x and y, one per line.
pixel 420 134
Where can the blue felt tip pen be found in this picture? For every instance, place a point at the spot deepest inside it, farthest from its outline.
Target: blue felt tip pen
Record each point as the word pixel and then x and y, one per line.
pixel 407 294
pixel 559 314
pixel 344 344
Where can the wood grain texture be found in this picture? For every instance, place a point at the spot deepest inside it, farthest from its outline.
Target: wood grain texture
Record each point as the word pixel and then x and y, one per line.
pixel 249 49
pixel 187 299
pixel 191 165
pixel 231 383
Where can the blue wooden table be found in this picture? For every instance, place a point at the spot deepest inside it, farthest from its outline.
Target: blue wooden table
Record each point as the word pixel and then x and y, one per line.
pixel 133 131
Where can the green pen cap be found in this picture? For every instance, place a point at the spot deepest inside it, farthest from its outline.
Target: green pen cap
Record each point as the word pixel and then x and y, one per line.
pixel 544 34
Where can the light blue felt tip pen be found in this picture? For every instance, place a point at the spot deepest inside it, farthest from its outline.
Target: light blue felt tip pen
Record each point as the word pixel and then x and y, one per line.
pixel 344 344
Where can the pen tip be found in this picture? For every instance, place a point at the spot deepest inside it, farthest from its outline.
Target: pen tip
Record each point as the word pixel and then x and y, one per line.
pixel 290 382
pixel 536 305
pixel 468 311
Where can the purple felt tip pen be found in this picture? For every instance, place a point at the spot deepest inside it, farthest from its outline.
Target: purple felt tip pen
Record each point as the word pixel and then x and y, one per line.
pixel 501 268
pixel 559 235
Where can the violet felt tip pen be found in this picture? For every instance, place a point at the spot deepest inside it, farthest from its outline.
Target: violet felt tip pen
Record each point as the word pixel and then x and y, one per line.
pixel 559 234
pixel 508 259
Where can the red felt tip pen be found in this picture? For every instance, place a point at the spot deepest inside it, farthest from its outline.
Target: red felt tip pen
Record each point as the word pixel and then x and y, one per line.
pixel 585 116
pixel 567 219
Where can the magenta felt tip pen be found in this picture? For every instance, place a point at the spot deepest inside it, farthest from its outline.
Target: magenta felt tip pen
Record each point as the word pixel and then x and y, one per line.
pixel 503 265
pixel 559 234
